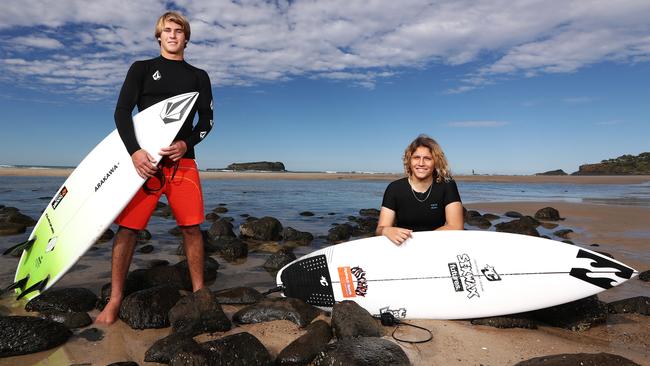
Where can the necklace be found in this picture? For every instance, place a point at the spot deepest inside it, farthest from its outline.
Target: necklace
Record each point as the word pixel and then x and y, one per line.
pixel 415 196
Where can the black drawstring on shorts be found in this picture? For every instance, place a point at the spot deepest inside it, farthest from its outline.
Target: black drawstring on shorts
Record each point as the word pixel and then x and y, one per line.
pixel 160 176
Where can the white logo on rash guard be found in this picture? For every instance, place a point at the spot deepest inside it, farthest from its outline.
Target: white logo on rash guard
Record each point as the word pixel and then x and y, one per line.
pixel 211 106
pixel 202 134
pixel 156 75
pixel 211 123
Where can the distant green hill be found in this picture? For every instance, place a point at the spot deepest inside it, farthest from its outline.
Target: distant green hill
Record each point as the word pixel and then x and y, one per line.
pixel 623 165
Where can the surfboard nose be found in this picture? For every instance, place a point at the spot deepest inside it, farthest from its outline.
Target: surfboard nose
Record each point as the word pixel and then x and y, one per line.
pixel 177 108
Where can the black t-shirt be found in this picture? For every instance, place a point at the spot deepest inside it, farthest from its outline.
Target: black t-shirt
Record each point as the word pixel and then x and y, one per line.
pixel 415 215
pixel 151 81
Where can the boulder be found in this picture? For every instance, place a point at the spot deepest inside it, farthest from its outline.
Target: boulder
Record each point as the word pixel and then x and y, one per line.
pixel 364 351
pixel 149 308
pixel 268 309
pixel 20 335
pixel 198 313
pixel 350 320
pixel 267 228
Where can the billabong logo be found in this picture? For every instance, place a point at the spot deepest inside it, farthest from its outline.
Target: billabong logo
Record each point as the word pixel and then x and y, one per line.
pixel 599 261
pixel 174 109
pixel 362 283
pixel 156 75
pixel 59 197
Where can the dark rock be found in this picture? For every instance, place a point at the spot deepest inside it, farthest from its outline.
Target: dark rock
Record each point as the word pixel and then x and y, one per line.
pixel 20 335
pixel 63 300
pixel 106 236
pixel 303 350
pixel 472 213
pixel 146 249
pixel 350 320
pixel 192 356
pixel 231 248
pixel 548 225
pixel 160 275
pixel 553 172
pixel 258 165
pixel 548 213
pixel 8 228
pixel 239 349
pixel 268 309
pixel 165 348
pixel 266 228
pixel 278 260
pixel 149 308
pixel 198 313
pixel 220 209
pixel 577 315
pixel 478 221
pixel 156 263
pixel 637 305
pixel 563 233
pixel 238 295
pixel 506 322
pixel 208 245
pixel 491 217
pixel 212 216
pixel 513 214
pixel 369 212
pixel 306 213
pixel 123 363
pixel 519 226
pixel 221 228
pixel 175 231
pixel 365 351
pixel 91 334
pixel 72 320
pixel 143 236
pixel 365 225
pixel 21 219
pixel 579 359
pixel 340 233
pixel 292 235
pixel 645 276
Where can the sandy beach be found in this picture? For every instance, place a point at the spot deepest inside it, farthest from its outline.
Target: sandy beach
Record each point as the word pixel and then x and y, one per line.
pixel 622 231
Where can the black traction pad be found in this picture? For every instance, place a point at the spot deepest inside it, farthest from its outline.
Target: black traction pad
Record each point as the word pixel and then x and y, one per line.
pixel 309 280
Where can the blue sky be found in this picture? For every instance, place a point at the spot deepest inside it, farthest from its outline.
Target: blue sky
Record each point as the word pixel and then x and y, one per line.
pixel 505 88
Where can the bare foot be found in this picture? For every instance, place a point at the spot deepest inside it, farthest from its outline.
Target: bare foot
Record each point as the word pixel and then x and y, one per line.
pixel 109 315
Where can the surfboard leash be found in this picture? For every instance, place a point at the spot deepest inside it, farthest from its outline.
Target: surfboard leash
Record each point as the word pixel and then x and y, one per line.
pixel 275 289
pixel 387 319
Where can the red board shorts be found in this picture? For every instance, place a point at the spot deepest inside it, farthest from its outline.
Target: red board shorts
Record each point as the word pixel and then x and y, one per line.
pixel 183 193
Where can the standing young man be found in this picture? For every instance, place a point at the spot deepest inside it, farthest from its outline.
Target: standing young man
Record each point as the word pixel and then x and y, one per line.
pixel 147 83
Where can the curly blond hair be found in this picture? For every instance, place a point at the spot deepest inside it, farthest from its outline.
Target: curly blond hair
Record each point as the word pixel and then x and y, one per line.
pixel 442 173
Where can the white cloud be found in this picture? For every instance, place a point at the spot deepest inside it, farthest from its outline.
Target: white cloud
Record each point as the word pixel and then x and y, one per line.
pixel 477 124
pixel 360 42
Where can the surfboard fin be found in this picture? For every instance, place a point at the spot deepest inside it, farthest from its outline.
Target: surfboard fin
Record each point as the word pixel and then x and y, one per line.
pixel 38 286
pixel 15 285
pixel 18 248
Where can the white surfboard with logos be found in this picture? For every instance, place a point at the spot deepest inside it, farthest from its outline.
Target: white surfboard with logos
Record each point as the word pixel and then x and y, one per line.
pixel 92 197
pixel 451 274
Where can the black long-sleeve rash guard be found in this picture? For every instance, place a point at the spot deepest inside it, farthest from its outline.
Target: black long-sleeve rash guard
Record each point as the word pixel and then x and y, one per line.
pixel 151 81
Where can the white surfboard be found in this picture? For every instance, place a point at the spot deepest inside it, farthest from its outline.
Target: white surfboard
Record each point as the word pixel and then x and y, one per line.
pixel 451 274
pixel 92 197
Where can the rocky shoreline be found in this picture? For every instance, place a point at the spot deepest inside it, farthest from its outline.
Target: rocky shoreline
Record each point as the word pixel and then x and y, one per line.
pixel 238 325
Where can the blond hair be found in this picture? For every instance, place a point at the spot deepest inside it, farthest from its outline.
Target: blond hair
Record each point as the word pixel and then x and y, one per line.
pixel 442 173
pixel 176 17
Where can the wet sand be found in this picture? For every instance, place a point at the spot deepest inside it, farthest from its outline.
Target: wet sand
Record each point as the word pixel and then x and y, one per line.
pixel 608 179
pixel 622 231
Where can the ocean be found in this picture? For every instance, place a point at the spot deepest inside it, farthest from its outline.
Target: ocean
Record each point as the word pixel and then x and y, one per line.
pixel 331 202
